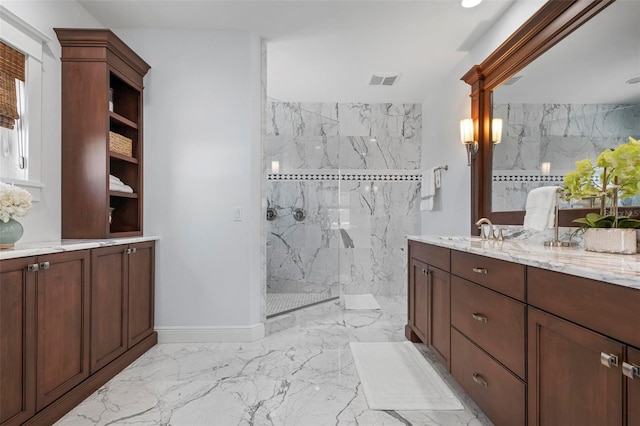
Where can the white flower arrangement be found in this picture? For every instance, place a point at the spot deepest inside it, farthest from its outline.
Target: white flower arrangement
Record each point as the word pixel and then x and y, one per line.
pixel 14 202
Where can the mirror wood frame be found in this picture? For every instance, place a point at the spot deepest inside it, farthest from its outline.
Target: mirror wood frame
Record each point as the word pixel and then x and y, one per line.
pixel 555 20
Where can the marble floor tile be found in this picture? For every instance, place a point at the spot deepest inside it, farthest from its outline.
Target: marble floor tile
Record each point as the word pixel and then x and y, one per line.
pixel 302 375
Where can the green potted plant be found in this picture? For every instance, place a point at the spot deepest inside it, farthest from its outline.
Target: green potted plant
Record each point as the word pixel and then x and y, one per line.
pixel 615 174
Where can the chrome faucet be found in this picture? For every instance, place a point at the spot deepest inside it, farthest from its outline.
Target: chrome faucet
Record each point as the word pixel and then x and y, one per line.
pixel 484 236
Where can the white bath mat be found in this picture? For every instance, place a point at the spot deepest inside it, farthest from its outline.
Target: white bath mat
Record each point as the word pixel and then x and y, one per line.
pixel 395 376
pixel 360 301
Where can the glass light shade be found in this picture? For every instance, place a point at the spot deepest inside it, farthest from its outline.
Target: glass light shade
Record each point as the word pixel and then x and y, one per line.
pixel 275 167
pixel 466 131
pixel 545 168
pixel 496 130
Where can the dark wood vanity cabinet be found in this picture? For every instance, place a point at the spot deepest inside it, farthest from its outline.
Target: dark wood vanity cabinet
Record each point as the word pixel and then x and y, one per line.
pixel 429 300
pixel 488 321
pixel 67 327
pixel 567 382
pixel 140 279
pixel 45 331
pixel 529 345
pixel 122 295
pixel 577 349
pixel 17 341
pixel 62 330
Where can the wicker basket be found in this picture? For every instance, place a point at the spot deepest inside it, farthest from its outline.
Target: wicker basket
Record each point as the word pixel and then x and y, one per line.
pixel 120 144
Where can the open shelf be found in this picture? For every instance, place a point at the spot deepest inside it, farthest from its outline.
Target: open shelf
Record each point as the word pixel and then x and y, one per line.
pixel 115 155
pixel 123 194
pixel 122 120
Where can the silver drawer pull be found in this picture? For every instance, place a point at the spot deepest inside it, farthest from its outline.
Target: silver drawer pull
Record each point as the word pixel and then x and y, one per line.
pixel 608 360
pixel 44 265
pixel 33 267
pixel 479 270
pixel 479 379
pixel 630 370
pixel 479 317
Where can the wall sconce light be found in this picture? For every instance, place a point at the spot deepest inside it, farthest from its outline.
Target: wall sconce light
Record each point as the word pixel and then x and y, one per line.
pixel 467 138
pixel 275 167
pixel 496 130
pixel 545 168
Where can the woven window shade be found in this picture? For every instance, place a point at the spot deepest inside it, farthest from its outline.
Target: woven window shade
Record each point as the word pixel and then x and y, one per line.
pixel 11 68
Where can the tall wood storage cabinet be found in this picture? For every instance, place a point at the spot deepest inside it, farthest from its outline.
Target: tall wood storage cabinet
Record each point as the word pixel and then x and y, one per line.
pixel 102 85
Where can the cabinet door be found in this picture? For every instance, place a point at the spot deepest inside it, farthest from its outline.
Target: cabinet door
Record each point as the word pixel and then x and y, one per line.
pixel 633 390
pixel 109 304
pixel 568 384
pixel 63 324
pixel 141 291
pixel 439 299
pixel 17 339
pixel 418 297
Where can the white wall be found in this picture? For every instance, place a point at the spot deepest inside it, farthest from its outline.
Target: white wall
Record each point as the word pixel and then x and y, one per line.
pixel 441 114
pixel 43 223
pixel 203 155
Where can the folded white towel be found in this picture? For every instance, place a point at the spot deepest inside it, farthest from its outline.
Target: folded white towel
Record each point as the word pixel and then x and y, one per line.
pixel 427 189
pixel 121 187
pixel 540 209
pixel 113 178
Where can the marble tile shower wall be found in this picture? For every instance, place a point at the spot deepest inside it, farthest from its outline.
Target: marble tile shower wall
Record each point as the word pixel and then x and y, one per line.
pixel 361 196
pixel 555 133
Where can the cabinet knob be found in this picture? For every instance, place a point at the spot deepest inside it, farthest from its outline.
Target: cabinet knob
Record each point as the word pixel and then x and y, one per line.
pixel 631 370
pixel 479 317
pixel 608 360
pixel 424 271
pixel 479 270
pixel 44 265
pixel 33 267
pixel 479 379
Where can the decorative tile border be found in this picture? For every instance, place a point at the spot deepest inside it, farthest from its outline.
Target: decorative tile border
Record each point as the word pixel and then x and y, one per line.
pixel 528 178
pixel 348 176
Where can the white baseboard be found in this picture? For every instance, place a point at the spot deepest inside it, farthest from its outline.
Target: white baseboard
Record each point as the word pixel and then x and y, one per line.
pixel 249 333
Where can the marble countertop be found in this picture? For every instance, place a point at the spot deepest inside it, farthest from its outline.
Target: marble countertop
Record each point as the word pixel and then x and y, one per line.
pixel 48 247
pixel 618 269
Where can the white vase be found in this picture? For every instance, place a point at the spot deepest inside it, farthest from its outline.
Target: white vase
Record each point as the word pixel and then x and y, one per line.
pixel 611 240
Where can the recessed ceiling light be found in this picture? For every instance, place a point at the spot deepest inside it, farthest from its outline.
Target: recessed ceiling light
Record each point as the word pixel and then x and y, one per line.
pixel 634 80
pixel 470 3
pixel 372 139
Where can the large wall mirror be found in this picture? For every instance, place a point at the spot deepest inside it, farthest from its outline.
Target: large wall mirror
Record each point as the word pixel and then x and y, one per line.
pixel 563 86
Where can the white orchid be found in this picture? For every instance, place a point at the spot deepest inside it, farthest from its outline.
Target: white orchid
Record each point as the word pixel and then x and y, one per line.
pixel 14 202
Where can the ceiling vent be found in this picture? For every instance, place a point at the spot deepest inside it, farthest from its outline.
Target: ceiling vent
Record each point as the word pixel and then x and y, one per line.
pixel 383 80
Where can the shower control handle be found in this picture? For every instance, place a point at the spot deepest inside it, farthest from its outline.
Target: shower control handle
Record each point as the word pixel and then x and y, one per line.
pixel 299 214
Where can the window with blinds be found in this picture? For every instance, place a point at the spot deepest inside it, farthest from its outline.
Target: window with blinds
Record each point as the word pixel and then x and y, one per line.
pixel 12 78
pixel 21 102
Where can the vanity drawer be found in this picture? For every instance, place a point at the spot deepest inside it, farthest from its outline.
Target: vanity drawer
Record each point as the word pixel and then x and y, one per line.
pixel 499 275
pixel 494 322
pixel 432 255
pixel 499 393
pixel 609 309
